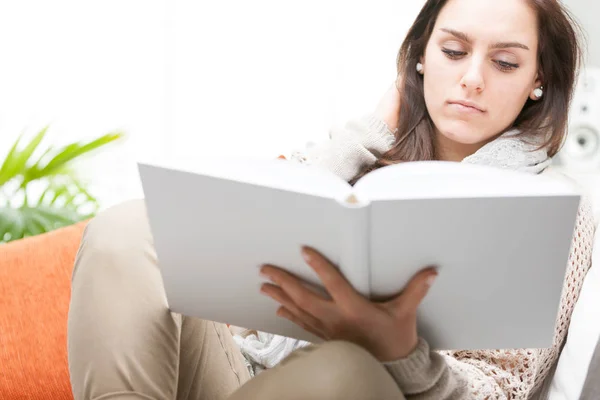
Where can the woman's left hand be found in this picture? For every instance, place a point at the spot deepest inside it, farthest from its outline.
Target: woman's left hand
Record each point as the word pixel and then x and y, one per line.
pixel 388 330
pixel 388 108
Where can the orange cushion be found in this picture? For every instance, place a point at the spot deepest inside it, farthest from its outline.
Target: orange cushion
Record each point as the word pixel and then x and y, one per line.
pixel 35 289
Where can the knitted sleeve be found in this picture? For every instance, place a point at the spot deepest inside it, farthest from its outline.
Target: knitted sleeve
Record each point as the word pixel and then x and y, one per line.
pixel 360 142
pixel 498 374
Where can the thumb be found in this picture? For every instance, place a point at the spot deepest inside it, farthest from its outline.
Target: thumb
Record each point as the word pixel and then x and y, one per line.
pixel 415 291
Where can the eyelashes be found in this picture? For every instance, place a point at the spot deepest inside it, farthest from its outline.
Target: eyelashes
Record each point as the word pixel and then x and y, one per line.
pixel 453 54
pixel 501 65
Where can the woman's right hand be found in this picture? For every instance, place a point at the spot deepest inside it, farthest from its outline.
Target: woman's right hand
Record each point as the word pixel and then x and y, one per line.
pixel 388 330
pixel 388 109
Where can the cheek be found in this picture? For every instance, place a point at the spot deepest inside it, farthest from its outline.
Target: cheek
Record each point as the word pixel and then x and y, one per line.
pixel 438 86
pixel 508 93
pixel 506 100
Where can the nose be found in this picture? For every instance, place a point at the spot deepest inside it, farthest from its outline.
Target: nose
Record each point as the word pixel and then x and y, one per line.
pixel 473 80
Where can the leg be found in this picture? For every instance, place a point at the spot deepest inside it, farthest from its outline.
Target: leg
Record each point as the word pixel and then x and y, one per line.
pixel 123 342
pixel 334 370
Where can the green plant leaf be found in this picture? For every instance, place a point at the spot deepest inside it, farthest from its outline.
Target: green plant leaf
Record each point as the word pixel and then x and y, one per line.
pixel 7 166
pixel 32 227
pixel 35 168
pixel 45 195
pixel 83 190
pixel 37 172
pixel 58 191
pixel 45 223
pixel 33 174
pixel 60 217
pixel 27 152
pixel 6 221
pixel 16 161
pixel 63 184
pixel 75 150
pixel 30 221
pixel 69 199
pixel 13 224
pixel 41 158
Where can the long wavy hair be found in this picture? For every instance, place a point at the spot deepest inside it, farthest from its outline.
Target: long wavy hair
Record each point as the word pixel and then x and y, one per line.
pixel 559 57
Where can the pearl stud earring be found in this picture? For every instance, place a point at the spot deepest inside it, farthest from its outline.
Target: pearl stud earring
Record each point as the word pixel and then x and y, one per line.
pixel 538 92
pixel 420 68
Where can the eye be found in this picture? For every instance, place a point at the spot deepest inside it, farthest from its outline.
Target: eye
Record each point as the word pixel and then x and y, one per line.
pixel 453 54
pixel 506 66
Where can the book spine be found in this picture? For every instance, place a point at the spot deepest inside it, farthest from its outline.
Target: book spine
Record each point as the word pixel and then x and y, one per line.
pixel 354 237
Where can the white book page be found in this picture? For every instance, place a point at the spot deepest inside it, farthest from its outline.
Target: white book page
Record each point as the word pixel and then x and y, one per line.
pixel 440 179
pixel 274 173
pixel 500 238
pixel 501 263
pixel 212 235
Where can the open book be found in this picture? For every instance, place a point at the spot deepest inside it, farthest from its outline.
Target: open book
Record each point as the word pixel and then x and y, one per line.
pixel 500 239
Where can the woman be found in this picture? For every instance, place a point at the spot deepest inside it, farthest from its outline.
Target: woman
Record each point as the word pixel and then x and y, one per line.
pixel 483 82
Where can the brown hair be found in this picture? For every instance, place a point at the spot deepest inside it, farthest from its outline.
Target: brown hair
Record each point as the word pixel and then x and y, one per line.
pixel 559 56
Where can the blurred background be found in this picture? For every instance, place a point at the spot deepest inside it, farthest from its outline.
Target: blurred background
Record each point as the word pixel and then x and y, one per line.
pixel 92 87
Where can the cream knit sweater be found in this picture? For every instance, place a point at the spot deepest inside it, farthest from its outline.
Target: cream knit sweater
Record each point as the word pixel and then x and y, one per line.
pixel 425 374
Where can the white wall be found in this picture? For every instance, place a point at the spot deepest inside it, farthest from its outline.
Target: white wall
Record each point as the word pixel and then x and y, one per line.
pixel 263 76
pixel 586 12
pixel 188 78
pixel 85 68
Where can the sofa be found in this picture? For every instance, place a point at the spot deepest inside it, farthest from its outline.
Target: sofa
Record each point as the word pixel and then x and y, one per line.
pixel 34 297
pixel 35 281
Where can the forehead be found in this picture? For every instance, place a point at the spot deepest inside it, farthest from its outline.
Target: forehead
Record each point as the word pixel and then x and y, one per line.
pixel 491 20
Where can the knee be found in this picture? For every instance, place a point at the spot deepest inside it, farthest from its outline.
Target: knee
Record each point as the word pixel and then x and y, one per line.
pixel 346 362
pixel 332 370
pixel 347 371
pixel 114 233
pixel 117 227
pixel 343 354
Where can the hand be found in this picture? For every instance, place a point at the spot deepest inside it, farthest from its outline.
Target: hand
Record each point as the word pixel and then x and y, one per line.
pixel 387 330
pixel 388 109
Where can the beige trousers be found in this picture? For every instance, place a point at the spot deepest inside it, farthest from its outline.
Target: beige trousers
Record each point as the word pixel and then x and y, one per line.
pixel 124 343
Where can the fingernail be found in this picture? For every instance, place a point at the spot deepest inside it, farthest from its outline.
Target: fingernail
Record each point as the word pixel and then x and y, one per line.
pixel 306 254
pixel 430 280
pixel 264 274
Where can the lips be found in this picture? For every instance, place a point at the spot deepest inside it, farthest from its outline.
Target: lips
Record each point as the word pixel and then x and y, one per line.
pixel 466 105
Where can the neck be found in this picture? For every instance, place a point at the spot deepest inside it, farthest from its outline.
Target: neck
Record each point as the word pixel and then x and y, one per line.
pixel 448 150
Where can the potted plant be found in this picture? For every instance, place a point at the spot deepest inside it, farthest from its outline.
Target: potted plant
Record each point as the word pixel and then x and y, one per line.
pixel 39 194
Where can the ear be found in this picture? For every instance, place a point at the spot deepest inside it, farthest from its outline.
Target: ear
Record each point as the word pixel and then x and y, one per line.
pixel 537 85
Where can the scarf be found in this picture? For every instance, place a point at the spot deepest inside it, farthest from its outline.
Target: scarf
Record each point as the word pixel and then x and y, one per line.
pixel 511 152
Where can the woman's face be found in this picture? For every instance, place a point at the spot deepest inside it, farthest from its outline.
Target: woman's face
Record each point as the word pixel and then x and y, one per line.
pixel 480 66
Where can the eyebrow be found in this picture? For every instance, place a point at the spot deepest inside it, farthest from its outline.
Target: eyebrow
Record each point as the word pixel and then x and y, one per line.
pixel 500 45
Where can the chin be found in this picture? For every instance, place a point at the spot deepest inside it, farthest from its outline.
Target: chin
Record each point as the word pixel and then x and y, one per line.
pixel 462 132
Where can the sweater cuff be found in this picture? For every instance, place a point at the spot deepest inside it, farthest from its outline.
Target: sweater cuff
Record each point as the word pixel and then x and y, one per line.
pixel 418 372
pixel 378 136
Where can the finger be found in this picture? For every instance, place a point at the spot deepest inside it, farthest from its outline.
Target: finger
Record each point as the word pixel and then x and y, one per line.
pixel 293 287
pixel 290 316
pixel 277 294
pixel 335 283
pixel 415 291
